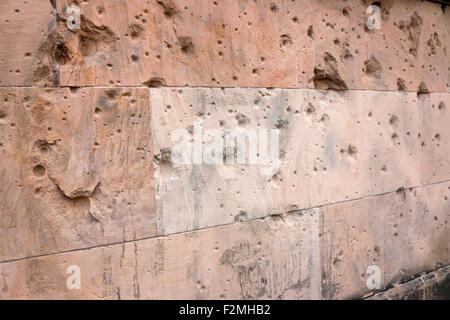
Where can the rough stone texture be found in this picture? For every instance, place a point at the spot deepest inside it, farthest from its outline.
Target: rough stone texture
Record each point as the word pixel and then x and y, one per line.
pixel 435 112
pixel 447 20
pixel 307 44
pixel 28 54
pixel 432 286
pixel 364 176
pixel 403 233
pixel 365 140
pixel 185 42
pixel 410 45
pixel 318 253
pixel 270 258
pixel 76 169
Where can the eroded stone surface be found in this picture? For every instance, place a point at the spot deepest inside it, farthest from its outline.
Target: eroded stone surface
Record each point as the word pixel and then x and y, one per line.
pixel 29 53
pixel 270 258
pixel 183 42
pixel 403 233
pixel 76 169
pixel 434 142
pixel 408 49
pixel 334 147
pixel 306 44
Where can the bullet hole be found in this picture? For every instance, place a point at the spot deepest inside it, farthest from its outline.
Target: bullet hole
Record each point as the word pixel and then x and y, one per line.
pixel 352 150
pixel 169 8
pixel 155 82
pixel 328 77
pixel 310 110
pixel 74 90
pixel 281 123
pixel 134 58
pixel 422 90
pixel 274 8
pixel 37 191
pixel 62 53
pixel 401 85
pixel 384 168
pixel 136 31
pixel 295 19
pixel 401 192
pixel 242 119
pixel 242 216
pixel 324 117
pixel 100 10
pixel 39 170
pixel 187 45
pixel 441 105
pixel 97 111
pixel 393 121
pixel 44 150
pixel 111 94
pixel 310 32
pixel 285 40
pixel 372 67
pixel 345 12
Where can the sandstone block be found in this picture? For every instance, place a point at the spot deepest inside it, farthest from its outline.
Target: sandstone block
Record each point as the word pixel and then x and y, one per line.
pixel 270 258
pixel 407 50
pixel 29 53
pixel 295 44
pixel 403 233
pixel 333 147
pixel 182 42
pixel 76 169
pixel 435 146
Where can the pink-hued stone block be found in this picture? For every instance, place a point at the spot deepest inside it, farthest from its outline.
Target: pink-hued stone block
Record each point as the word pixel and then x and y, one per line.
pixel 76 169
pixel 271 258
pixel 333 147
pixel 28 37
pixel 403 233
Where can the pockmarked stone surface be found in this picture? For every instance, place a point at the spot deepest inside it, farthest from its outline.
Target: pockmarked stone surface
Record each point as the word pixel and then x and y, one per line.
pixel 28 55
pixel 295 44
pixel 403 233
pixel 409 48
pixel 76 169
pixel 435 112
pixel 333 147
pixel 271 258
pixel 183 42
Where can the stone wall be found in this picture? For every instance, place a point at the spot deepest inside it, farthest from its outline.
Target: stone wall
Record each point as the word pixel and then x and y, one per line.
pixel 86 123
